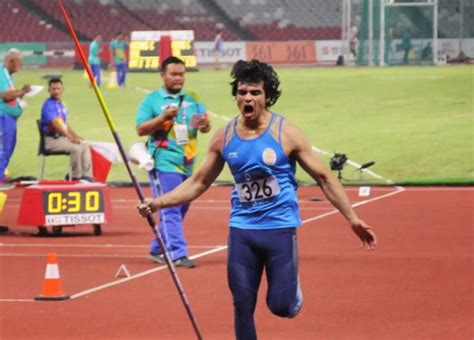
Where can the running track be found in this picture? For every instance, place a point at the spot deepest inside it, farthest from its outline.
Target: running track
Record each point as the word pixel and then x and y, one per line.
pixel 418 284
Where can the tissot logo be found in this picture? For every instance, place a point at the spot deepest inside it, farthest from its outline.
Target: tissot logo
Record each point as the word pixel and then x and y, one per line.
pixel 232 155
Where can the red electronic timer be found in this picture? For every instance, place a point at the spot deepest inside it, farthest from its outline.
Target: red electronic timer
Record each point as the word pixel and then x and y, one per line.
pixel 65 205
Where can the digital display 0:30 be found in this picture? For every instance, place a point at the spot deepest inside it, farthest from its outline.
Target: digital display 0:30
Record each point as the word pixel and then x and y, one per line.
pixel 71 202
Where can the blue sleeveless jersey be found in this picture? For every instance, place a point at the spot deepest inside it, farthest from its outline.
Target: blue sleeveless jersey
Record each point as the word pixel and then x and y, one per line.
pixel 264 195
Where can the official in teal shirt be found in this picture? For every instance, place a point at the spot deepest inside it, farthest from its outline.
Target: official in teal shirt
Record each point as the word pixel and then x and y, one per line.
pixel 10 108
pixel 118 48
pixel 94 58
pixel 171 118
pixel 170 154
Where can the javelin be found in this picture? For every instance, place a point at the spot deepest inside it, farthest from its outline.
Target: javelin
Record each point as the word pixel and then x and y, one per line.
pixel 138 189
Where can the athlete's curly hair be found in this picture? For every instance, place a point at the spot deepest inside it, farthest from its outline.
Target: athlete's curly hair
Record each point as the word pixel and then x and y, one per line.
pixel 254 71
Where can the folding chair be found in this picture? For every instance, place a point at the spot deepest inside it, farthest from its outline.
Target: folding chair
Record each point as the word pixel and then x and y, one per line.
pixel 43 153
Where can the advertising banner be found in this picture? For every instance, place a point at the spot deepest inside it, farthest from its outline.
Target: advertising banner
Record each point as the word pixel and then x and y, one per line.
pixel 328 50
pixel 33 53
pixel 282 52
pixel 233 51
pixel 60 54
pixel 450 47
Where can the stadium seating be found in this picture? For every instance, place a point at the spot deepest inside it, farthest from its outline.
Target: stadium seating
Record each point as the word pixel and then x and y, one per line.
pixel 92 17
pixel 449 16
pixel 265 19
pixel 278 20
pixel 178 14
pixel 21 25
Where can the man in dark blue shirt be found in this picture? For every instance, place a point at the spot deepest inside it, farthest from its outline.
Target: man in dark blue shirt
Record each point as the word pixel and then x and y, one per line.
pixel 60 137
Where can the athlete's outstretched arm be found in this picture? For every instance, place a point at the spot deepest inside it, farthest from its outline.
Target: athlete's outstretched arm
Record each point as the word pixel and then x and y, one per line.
pixel 297 146
pixel 195 185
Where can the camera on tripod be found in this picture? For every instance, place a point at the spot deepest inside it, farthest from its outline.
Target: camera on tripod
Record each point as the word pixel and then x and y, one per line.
pixel 337 163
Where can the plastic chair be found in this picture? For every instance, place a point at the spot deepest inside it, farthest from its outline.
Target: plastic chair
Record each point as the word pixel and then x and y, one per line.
pixel 43 153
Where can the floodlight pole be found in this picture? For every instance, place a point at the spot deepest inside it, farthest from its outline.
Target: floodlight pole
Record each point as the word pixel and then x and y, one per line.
pixel 435 32
pixel 370 27
pixel 349 29
pixel 461 24
pixel 382 33
pixel 344 31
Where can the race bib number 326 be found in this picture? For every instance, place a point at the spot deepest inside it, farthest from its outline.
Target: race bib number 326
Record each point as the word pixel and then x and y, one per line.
pixel 258 189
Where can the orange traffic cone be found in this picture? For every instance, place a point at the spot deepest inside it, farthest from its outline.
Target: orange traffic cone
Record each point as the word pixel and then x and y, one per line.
pixel 52 289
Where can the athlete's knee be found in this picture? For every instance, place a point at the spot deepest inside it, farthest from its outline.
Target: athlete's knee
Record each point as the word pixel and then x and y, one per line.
pixel 280 309
pixel 285 311
pixel 285 308
pixel 296 309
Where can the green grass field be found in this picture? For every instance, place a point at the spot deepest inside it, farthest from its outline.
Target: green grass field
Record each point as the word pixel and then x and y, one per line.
pixel 416 123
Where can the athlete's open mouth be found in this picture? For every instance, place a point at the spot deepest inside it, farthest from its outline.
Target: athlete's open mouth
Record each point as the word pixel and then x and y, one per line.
pixel 248 109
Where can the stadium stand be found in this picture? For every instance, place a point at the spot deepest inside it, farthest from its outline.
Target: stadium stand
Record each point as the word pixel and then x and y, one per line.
pixel 243 19
pixel 93 17
pixel 280 20
pixel 24 25
pixel 449 16
pixel 178 14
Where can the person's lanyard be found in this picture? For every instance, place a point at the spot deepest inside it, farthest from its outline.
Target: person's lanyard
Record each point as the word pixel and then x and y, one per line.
pixel 183 113
pixel 181 108
pixel 11 86
pixel 9 78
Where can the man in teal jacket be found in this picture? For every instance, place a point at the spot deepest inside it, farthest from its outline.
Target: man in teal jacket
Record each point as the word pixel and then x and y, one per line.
pixel 94 58
pixel 172 119
pixel 118 48
pixel 10 107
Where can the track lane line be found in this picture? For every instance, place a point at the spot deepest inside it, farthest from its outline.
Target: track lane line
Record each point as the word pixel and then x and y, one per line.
pixel 332 212
pixel 65 245
pixel 215 250
pixel 133 277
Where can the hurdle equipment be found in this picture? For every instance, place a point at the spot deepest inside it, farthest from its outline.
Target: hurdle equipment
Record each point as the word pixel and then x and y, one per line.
pixel 52 288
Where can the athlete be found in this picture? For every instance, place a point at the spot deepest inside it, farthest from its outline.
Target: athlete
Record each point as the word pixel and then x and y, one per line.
pixel 261 149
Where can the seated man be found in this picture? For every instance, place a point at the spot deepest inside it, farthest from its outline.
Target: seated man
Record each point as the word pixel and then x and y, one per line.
pixel 60 137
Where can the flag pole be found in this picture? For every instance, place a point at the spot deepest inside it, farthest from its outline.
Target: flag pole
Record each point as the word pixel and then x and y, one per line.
pixel 113 129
